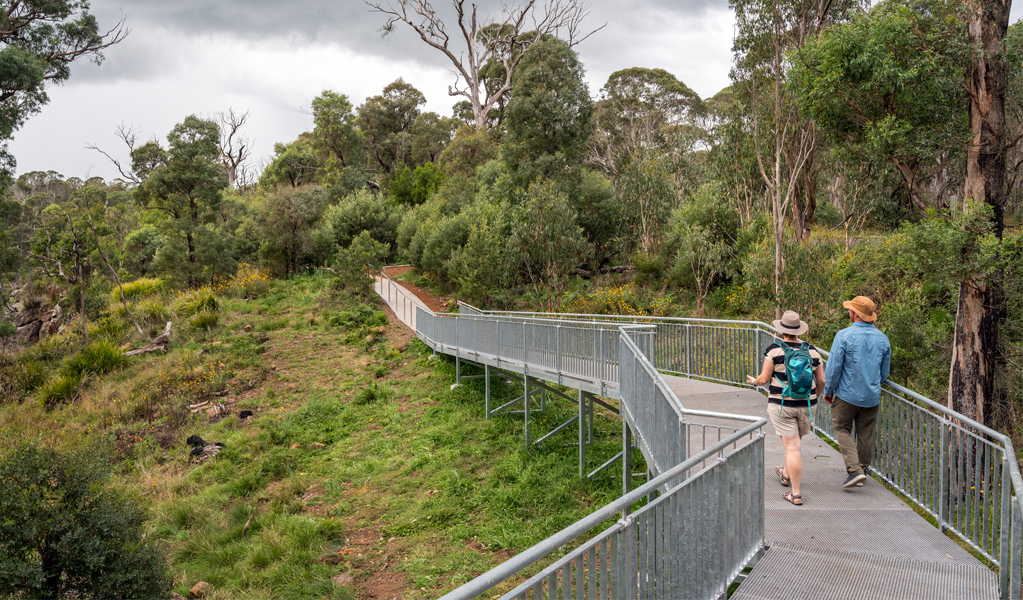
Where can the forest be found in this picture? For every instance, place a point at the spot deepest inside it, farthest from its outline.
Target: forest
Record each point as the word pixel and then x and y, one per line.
pixel 842 160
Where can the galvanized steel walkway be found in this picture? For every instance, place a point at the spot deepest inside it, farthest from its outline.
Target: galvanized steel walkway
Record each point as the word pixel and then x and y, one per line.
pixel 841 544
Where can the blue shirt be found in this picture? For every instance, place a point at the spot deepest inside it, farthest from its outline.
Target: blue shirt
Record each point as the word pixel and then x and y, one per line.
pixel 859 363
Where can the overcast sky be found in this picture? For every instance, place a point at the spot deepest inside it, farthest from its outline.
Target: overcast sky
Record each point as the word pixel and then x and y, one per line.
pixel 272 58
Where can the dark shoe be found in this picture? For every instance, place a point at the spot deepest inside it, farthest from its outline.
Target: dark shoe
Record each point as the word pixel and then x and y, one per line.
pixel 853 479
pixel 793 498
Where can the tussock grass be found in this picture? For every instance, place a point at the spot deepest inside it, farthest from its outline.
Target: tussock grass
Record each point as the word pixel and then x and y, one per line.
pixel 134 290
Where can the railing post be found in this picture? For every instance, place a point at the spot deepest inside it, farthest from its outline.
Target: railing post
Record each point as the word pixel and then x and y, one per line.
pixel 1004 558
pixel 943 473
pixel 626 463
pixel 486 385
pixel 689 350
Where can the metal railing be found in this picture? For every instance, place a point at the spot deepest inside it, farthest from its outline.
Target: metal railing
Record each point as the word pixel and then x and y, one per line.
pixel 961 473
pixel 690 541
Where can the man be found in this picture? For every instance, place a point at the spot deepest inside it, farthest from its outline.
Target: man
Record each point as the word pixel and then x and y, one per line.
pixel 859 363
pixel 791 417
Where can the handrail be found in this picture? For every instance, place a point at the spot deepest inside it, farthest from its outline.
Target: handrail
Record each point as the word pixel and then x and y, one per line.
pixel 519 562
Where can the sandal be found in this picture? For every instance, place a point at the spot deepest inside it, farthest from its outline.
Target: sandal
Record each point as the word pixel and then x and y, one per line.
pixel 785 481
pixel 793 498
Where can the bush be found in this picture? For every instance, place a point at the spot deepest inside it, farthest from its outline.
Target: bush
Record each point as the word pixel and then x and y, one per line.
pixel 61 388
pixel 351 264
pixel 190 302
pixel 97 358
pixel 248 282
pixel 140 288
pixel 65 533
pixel 360 212
pixel 19 377
pixel 204 320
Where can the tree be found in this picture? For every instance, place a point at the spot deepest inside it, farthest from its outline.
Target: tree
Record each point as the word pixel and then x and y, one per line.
pixel 334 130
pixel 186 189
pixel 976 360
pixel 783 143
pixel 294 164
pixel 431 133
pixel 415 187
pixel 234 149
pixel 288 217
pixel 386 122
pixel 505 40
pixel 546 242
pixel 40 39
pixel 64 532
pixel 548 118
pixel 648 196
pixel 639 110
pixel 889 83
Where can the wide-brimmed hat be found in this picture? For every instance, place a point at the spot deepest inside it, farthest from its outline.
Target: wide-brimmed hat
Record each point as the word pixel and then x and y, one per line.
pixel 790 324
pixel 862 306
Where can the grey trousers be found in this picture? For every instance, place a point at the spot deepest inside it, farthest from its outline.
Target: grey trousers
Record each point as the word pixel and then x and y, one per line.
pixel 856 453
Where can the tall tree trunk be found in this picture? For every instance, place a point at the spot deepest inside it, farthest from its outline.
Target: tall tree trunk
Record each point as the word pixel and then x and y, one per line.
pixel 976 359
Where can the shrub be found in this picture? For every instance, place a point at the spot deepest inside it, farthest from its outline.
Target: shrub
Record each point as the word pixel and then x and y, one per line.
pixel 65 533
pixel 360 212
pixel 190 302
pixel 61 388
pixel 248 282
pixel 18 377
pixel 351 264
pixel 204 320
pixel 140 288
pixel 96 358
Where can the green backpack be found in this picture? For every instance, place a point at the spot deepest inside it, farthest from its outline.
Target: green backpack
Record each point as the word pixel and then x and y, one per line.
pixel 798 372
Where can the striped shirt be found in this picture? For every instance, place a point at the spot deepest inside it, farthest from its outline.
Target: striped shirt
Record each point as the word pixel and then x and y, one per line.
pixel 779 379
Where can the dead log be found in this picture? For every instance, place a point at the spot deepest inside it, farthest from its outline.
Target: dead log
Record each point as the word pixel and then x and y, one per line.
pixel 159 343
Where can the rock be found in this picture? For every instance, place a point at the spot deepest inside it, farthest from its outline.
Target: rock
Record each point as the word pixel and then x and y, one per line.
pixel 176 596
pixel 127 347
pixel 245 414
pixel 194 440
pixel 247 328
pixel 317 445
pixel 369 338
pixel 213 412
pixel 29 334
pixel 296 446
pixel 381 330
pixel 199 590
pixel 404 346
pixel 24 318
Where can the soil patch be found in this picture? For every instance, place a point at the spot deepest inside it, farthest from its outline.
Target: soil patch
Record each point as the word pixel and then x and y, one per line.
pixel 432 302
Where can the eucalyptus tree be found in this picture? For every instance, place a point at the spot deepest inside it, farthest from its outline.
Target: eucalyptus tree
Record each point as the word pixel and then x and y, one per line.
pixel 640 110
pixel 336 138
pixel 976 360
pixel 40 39
pixel 475 43
pixel 386 123
pixel 784 143
pixel 889 84
pixel 186 189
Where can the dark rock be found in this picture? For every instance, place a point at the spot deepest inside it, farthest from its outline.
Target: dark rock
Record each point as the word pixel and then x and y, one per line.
pixel 194 440
pixel 196 451
pixel 245 414
pixel 219 444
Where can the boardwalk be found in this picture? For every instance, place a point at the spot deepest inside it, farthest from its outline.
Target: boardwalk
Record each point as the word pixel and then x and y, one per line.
pixel 841 544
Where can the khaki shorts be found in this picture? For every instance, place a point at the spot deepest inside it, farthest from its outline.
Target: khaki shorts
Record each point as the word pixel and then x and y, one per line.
pixel 790 420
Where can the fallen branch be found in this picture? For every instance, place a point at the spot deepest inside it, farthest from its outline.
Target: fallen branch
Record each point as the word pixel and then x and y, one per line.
pixel 159 343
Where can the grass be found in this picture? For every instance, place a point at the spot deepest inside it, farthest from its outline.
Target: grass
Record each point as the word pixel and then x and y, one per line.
pixel 360 472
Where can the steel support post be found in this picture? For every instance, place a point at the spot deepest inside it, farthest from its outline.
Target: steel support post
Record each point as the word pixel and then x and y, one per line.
pixel 582 434
pixel 526 403
pixel 458 371
pixel 486 379
pixel 943 497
